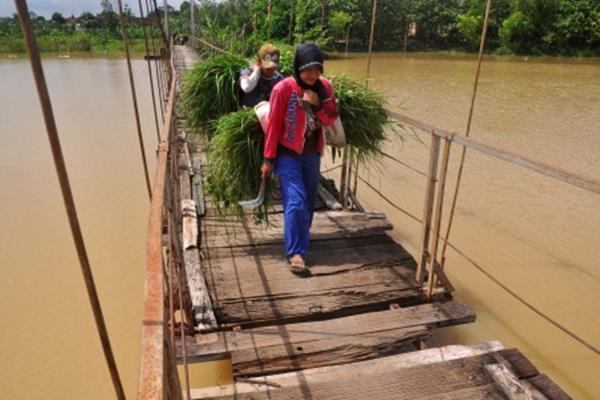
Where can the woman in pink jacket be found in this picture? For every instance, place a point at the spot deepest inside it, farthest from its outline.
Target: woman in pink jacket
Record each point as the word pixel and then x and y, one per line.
pixel 294 142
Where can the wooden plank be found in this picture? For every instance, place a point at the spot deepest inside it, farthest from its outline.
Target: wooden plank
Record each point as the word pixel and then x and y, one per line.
pixel 289 347
pixel 197 190
pixel 508 382
pixel 548 387
pixel 395 363
pixel 450 379
pixel 226 232
pixel 201 304
pixel 522 367
pixel 189 223
pixel 252 285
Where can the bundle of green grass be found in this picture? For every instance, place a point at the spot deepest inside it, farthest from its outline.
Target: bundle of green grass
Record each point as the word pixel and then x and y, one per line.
pixel 236 144
pixel 363 116
pixel 234 160
pixel 211 90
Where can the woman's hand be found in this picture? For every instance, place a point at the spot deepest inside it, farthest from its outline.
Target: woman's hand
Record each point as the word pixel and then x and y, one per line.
pixel 265 170
pixel 311 97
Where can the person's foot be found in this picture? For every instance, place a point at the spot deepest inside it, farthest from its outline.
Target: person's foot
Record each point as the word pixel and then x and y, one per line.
pixel 298 266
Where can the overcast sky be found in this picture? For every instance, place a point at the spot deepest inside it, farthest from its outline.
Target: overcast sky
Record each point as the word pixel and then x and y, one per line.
pixel 68 7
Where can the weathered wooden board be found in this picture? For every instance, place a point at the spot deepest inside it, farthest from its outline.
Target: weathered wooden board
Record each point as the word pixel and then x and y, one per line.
pixel 252 284
pixel 283 348
pixel 395 363
pixel 229 231
pixel 461 378
pixel 548 387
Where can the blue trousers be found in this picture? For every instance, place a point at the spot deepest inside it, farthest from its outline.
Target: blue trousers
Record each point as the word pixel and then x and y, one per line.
pixel 299 179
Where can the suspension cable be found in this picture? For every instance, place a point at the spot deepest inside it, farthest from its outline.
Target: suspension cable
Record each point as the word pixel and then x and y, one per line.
pixel 61 171
pixel 470 119
pixel 155 53
pixel 495 280
pixel 144 22
pixel 134 98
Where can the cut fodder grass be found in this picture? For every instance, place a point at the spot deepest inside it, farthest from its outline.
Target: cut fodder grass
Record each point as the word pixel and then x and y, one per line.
pixel 364 118
pixel 234 160
pixel 211 89
pixel 236 145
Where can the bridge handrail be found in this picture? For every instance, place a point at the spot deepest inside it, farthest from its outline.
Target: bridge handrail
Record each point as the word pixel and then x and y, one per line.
pixel 155 368
pixel 572 178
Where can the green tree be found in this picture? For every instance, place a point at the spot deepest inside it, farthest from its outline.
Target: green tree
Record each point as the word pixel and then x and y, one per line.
pixel 339 24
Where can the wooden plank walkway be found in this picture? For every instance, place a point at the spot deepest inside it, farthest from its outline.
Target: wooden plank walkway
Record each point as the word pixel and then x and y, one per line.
pixel 347 331
pixel 451 372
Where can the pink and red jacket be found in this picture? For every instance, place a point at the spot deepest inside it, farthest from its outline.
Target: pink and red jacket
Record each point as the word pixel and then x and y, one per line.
pixel 287 117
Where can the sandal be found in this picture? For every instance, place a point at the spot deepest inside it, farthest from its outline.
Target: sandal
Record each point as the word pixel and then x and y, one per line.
pixel 298 266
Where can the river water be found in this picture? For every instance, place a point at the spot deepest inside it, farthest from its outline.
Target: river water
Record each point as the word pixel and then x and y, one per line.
pixel 539 237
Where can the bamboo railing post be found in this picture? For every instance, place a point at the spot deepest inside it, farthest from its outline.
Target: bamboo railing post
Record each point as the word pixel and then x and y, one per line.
pixel 373 17
pixel 439 205
pixel 343 177
pixel 192 23
pixel 434 151
pixel 347 188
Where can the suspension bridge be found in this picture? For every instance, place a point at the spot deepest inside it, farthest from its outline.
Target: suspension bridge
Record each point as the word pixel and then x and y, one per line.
pixel 356 328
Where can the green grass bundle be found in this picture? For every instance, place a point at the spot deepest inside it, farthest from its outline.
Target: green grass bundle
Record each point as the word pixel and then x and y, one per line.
pixel 211 90
pixel 363 117
pixel 234 160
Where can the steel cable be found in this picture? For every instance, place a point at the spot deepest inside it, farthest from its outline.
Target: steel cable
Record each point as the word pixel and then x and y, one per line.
pixel 144 23
pixel 61 171
pixel 134 98
pixel 531 307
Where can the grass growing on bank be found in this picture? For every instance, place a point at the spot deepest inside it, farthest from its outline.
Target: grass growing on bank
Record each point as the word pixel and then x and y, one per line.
pixel 75 43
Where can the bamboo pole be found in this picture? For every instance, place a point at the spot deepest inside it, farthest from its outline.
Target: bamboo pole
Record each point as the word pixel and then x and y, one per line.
pixel 193 22
pixel 269 16
pixel 428 205
pixel 61 171
pixel 439 206
pixel 167 33
pixel 373 16
pixel 343 177
pixel 469 121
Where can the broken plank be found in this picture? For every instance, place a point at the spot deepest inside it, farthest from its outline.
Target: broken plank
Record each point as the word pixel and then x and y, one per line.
pixel 314 344
pixel 448 379
pixel 202 309
pixel 548 387
pixel 395 363
pixel 508 382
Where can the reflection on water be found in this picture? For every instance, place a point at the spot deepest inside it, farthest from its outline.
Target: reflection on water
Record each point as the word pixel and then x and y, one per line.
pixel 538 236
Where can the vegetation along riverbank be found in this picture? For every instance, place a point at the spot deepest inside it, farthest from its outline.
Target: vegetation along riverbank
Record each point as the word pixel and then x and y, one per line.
pixel 521 27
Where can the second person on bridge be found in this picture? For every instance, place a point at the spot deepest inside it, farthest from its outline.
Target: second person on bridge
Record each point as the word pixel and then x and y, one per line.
pixel 294 143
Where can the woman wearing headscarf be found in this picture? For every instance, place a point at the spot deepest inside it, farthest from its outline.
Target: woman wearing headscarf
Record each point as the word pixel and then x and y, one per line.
pixel 294 142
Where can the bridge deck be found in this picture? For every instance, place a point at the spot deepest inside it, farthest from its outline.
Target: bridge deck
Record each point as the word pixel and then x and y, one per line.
pixel 349 329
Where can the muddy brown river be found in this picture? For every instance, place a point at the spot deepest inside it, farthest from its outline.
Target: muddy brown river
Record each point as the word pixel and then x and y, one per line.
pixel 539 237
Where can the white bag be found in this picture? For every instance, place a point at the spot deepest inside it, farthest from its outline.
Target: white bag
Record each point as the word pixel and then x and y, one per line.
pixel 334 133
pixel 262 112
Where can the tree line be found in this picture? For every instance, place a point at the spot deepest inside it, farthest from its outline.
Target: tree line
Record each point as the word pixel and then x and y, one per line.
pixel 523 27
